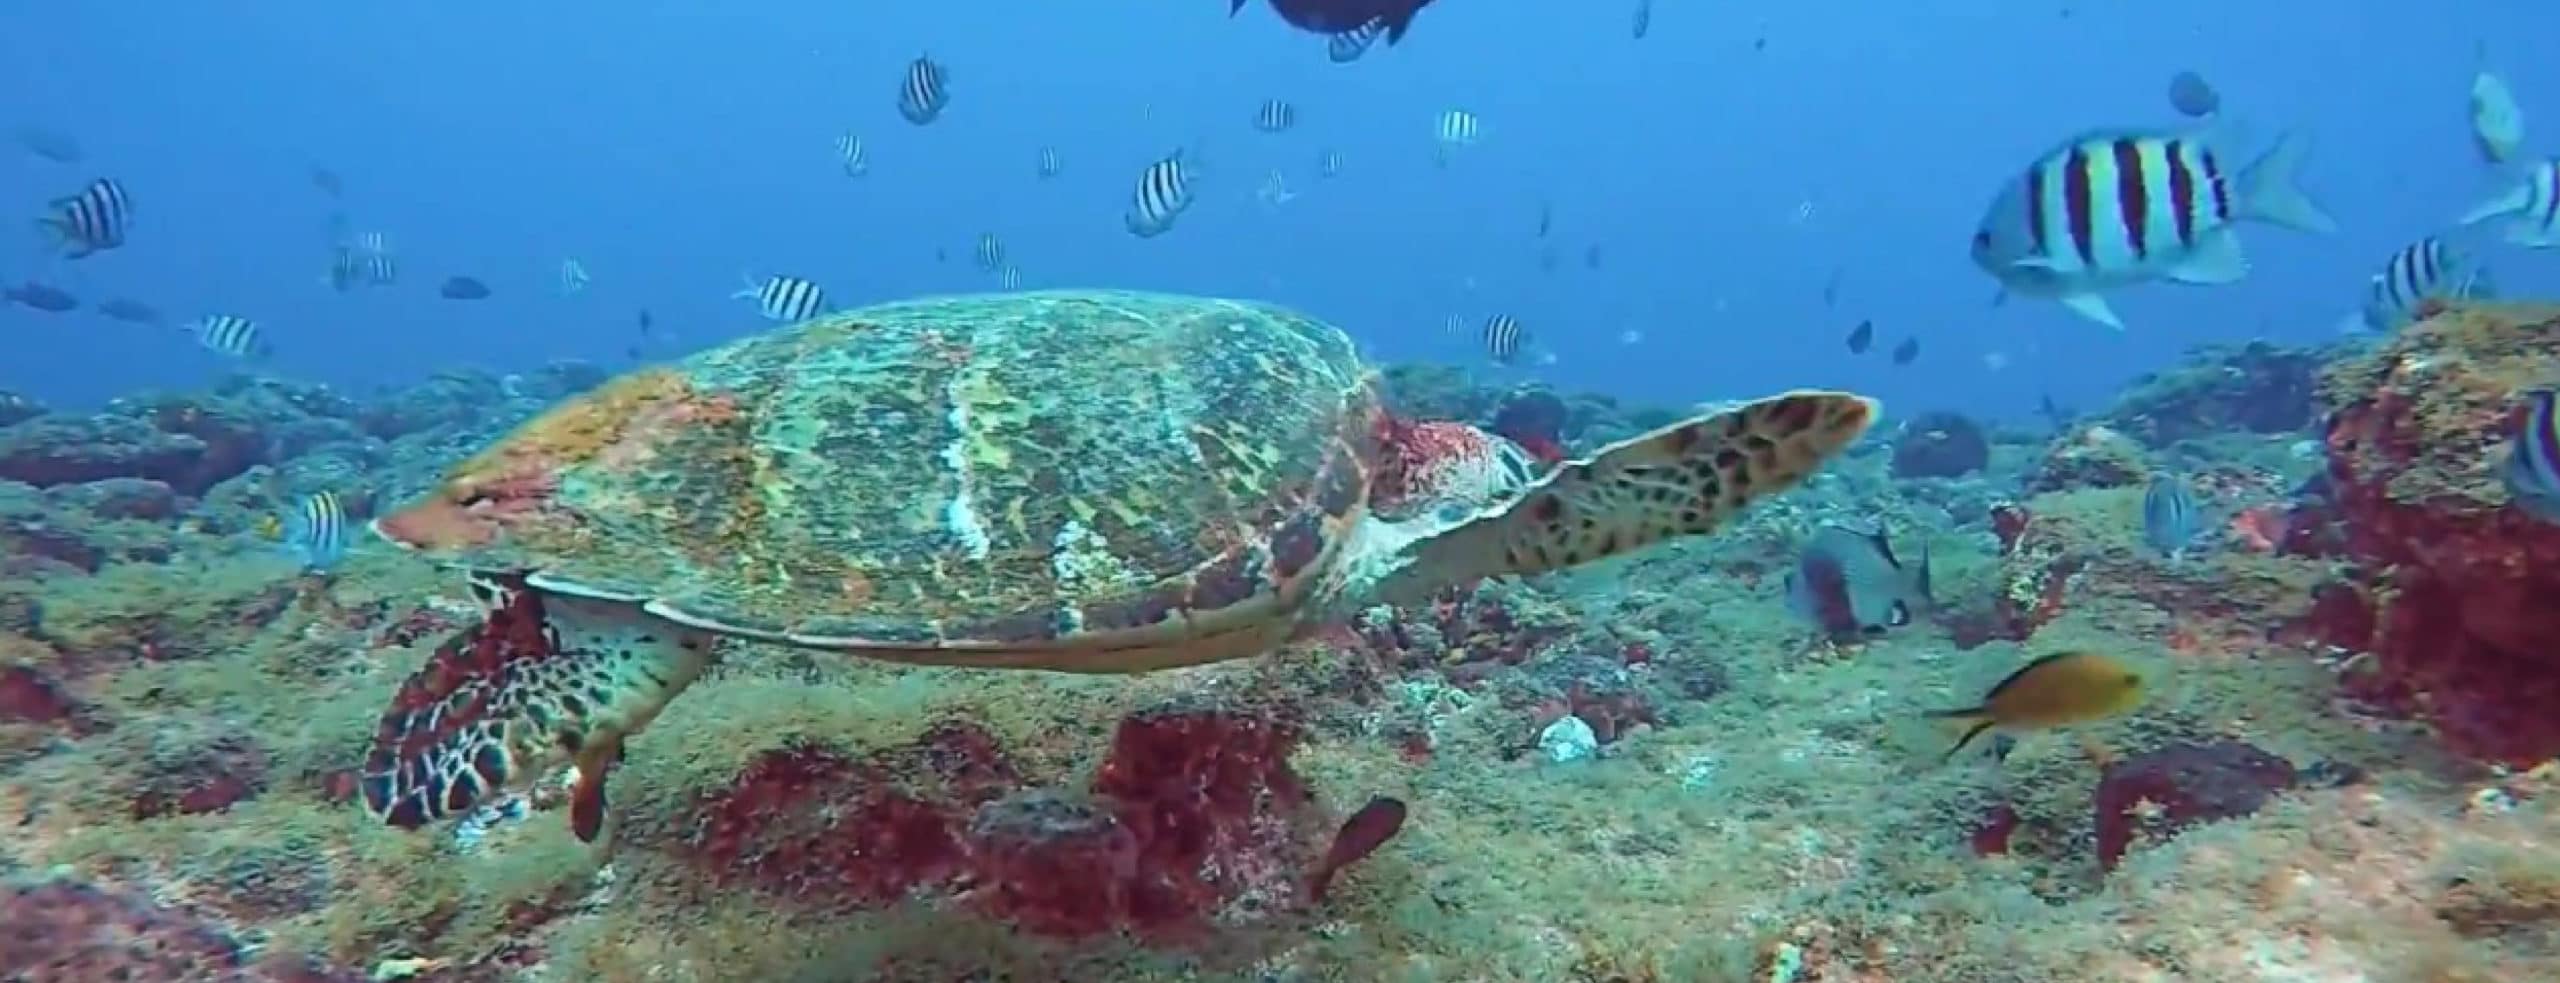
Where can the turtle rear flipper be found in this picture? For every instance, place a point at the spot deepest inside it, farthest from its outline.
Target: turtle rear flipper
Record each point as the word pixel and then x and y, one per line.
pixel 1685 479
pixel 544 678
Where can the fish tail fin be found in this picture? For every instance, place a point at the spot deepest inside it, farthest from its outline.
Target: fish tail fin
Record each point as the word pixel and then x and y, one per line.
pixel 2508 202
pixel 751 288
pixel 1967 724
pixel 2268 192
pixel 1235 7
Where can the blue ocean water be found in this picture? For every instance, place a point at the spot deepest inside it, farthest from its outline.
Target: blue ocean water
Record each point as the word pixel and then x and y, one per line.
pixel 1729 165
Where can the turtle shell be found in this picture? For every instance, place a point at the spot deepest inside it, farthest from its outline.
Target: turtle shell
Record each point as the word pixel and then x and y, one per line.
pixel 1100 481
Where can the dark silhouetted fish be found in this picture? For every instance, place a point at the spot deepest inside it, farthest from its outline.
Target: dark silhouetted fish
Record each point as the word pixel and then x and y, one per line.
pixel 1330 17
pixel 1848 583
pixel 328 182
pixel 1861 337
pixel 41 297
pixel 132 311
pixel 463 288
pixel 2192 96
pixel 1905 352
pixel 1644 19
pixel 1831 289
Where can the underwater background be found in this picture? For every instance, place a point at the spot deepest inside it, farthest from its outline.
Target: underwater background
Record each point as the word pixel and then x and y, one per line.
pixel 2217 648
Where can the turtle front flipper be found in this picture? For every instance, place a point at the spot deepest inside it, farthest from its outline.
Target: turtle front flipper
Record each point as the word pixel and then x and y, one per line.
pixel 1685 479
pixel 545 678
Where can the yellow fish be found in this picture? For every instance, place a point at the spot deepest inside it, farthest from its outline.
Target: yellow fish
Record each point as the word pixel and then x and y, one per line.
pixel 269 528
pixel 2054 691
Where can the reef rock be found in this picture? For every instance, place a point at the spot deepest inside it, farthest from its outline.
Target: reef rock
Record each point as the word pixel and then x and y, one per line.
pixel 2256 387
pixel 2094 456
pixel 2456 596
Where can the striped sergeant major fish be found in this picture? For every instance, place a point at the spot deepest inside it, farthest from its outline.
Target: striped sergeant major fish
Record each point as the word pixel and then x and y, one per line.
pixel 1454 129
pixel 924 91
pixel 850 153
pixel 786 299
pixel 1009 278
pixel 2416 280
pixel 2170 519
pixel 2532 471
pixel 1329 163
pixel 1503 337
pixel 2110 209
pixel 354 266
pixel 573 276
pixel 2531 208
pixel 1163 193
pixel 1457 128
pixel 990 252
pixel 1050 163
pixel 91 221
pixel 1275 116
pixel 316 531
pixel 231 335
pixel 1348 46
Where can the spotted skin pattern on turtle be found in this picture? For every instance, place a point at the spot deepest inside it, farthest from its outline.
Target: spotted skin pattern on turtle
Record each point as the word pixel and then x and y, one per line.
pixel 512 695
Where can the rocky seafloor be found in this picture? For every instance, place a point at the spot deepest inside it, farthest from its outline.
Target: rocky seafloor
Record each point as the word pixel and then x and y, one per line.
pixel 1647 771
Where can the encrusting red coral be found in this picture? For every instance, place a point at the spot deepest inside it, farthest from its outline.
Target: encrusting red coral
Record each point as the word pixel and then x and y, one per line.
pixel 2161 791
pixel 2457 584
pixel 1194 810
pixel 67 931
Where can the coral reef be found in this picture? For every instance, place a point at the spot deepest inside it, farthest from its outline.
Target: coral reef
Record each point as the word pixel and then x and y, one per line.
pixel 2254 387
pixel 2452 600
pixel 185 715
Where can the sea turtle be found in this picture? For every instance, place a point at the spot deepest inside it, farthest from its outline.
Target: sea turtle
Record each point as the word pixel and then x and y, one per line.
pixel 1100 482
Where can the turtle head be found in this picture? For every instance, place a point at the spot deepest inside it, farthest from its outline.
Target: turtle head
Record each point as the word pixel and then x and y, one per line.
pixel 1443 468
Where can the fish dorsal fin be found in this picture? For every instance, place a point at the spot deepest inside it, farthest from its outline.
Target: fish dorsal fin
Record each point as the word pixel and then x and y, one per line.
pixel 2012 679
pixel 1883 543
